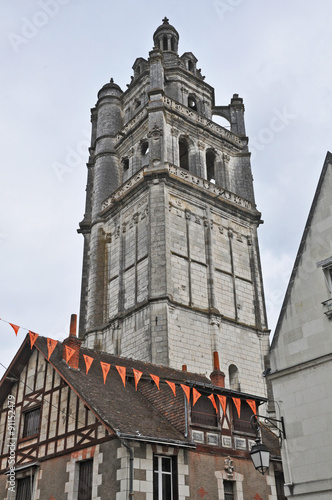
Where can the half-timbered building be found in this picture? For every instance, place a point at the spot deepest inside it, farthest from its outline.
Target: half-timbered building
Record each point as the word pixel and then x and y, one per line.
pixel 72 436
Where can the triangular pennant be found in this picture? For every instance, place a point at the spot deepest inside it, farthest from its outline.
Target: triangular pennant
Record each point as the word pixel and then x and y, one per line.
pixel 252 405
pixel 33 338
pixel 237 403
pixel 51 346
pixel 186 391
pixel 88 362
pixel 15 327
pixel 106 368
pixel 137 375
pixel 122 373
pixel 69 352
pixel 211 398
pixel 196 396
pixel 172 386
pixel 223 402
pixel 156 379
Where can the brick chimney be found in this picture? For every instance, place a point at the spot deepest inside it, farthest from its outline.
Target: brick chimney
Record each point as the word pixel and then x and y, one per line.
pixel 217 376
pixel 74 343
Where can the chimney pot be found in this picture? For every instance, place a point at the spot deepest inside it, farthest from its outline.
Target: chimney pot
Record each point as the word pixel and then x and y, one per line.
pixel 74 343
pixel 216 365
pixel 73 321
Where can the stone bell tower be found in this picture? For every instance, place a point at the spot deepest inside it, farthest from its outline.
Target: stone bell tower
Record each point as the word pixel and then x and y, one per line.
pixel 171 267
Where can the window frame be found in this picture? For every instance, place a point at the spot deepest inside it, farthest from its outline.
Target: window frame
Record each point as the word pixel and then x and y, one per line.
pixel 158 474
pixel 26 433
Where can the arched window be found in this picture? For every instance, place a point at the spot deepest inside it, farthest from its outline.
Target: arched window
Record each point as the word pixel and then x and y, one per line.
pixel 192 102
pixel 125 163
pixel 210 159
pixel 172 44
pixel 165 43
pixel 183 154
pixel 234 382
pixel 190 66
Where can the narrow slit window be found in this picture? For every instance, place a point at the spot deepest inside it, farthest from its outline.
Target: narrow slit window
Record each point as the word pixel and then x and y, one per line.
pixel 210 166
pixel 192 102
pixel 165 43
pixel 183 154
pixel 125 164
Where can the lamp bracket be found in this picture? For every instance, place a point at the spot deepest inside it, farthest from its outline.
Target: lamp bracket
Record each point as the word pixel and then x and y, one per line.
pixel 273 421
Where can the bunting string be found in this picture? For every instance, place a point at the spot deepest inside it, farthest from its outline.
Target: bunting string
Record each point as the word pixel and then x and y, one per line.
pixel 122 371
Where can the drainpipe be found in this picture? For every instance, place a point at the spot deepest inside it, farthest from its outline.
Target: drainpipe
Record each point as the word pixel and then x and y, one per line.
pixel 184 369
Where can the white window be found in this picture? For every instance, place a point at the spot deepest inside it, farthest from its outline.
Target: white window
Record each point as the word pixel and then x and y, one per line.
pixel 164 478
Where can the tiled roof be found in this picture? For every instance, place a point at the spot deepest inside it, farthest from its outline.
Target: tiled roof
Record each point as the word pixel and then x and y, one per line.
pixel 147 414
pixel 123 409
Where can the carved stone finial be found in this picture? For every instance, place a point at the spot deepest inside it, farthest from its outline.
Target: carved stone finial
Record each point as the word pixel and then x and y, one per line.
pixel 111 80
pixel 165 20
pixel 229 468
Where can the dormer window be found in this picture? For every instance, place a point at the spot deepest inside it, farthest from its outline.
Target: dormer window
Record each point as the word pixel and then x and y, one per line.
pixel 191 66
pixel 203 413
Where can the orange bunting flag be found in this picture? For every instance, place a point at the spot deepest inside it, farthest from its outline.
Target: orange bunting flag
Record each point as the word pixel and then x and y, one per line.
pixel 137 375
pixel 211 398
pixel 15 327
pixel 106 368
pixel 68 353
pixel 186 391
pixel 156 379
pixel 252 405
pixel 172 386
pixel 122 373
pixel 223 402
pixel 51 346
pixel 88 362
pixel 237 403
pixel 33 338
pixel 196 396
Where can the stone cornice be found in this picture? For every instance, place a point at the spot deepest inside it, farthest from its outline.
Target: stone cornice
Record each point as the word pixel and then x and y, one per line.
pixel 182 175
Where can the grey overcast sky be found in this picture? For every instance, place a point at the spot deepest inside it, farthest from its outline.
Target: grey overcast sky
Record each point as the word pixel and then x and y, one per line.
pixel 57 54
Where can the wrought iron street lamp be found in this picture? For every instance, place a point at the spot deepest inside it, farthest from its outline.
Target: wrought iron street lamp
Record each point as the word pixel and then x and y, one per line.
pixel 260 456
pixel 259 453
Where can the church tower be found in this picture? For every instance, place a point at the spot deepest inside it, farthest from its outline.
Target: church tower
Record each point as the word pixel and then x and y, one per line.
pixel 171 266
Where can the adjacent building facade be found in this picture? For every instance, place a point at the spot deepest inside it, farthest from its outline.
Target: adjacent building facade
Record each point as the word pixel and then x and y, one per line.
pixel 301 355
pixel 171 291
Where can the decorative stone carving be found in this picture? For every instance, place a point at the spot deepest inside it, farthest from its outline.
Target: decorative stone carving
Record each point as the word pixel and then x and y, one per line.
pixel 155 133
pixel 229 468
pixel 179 172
